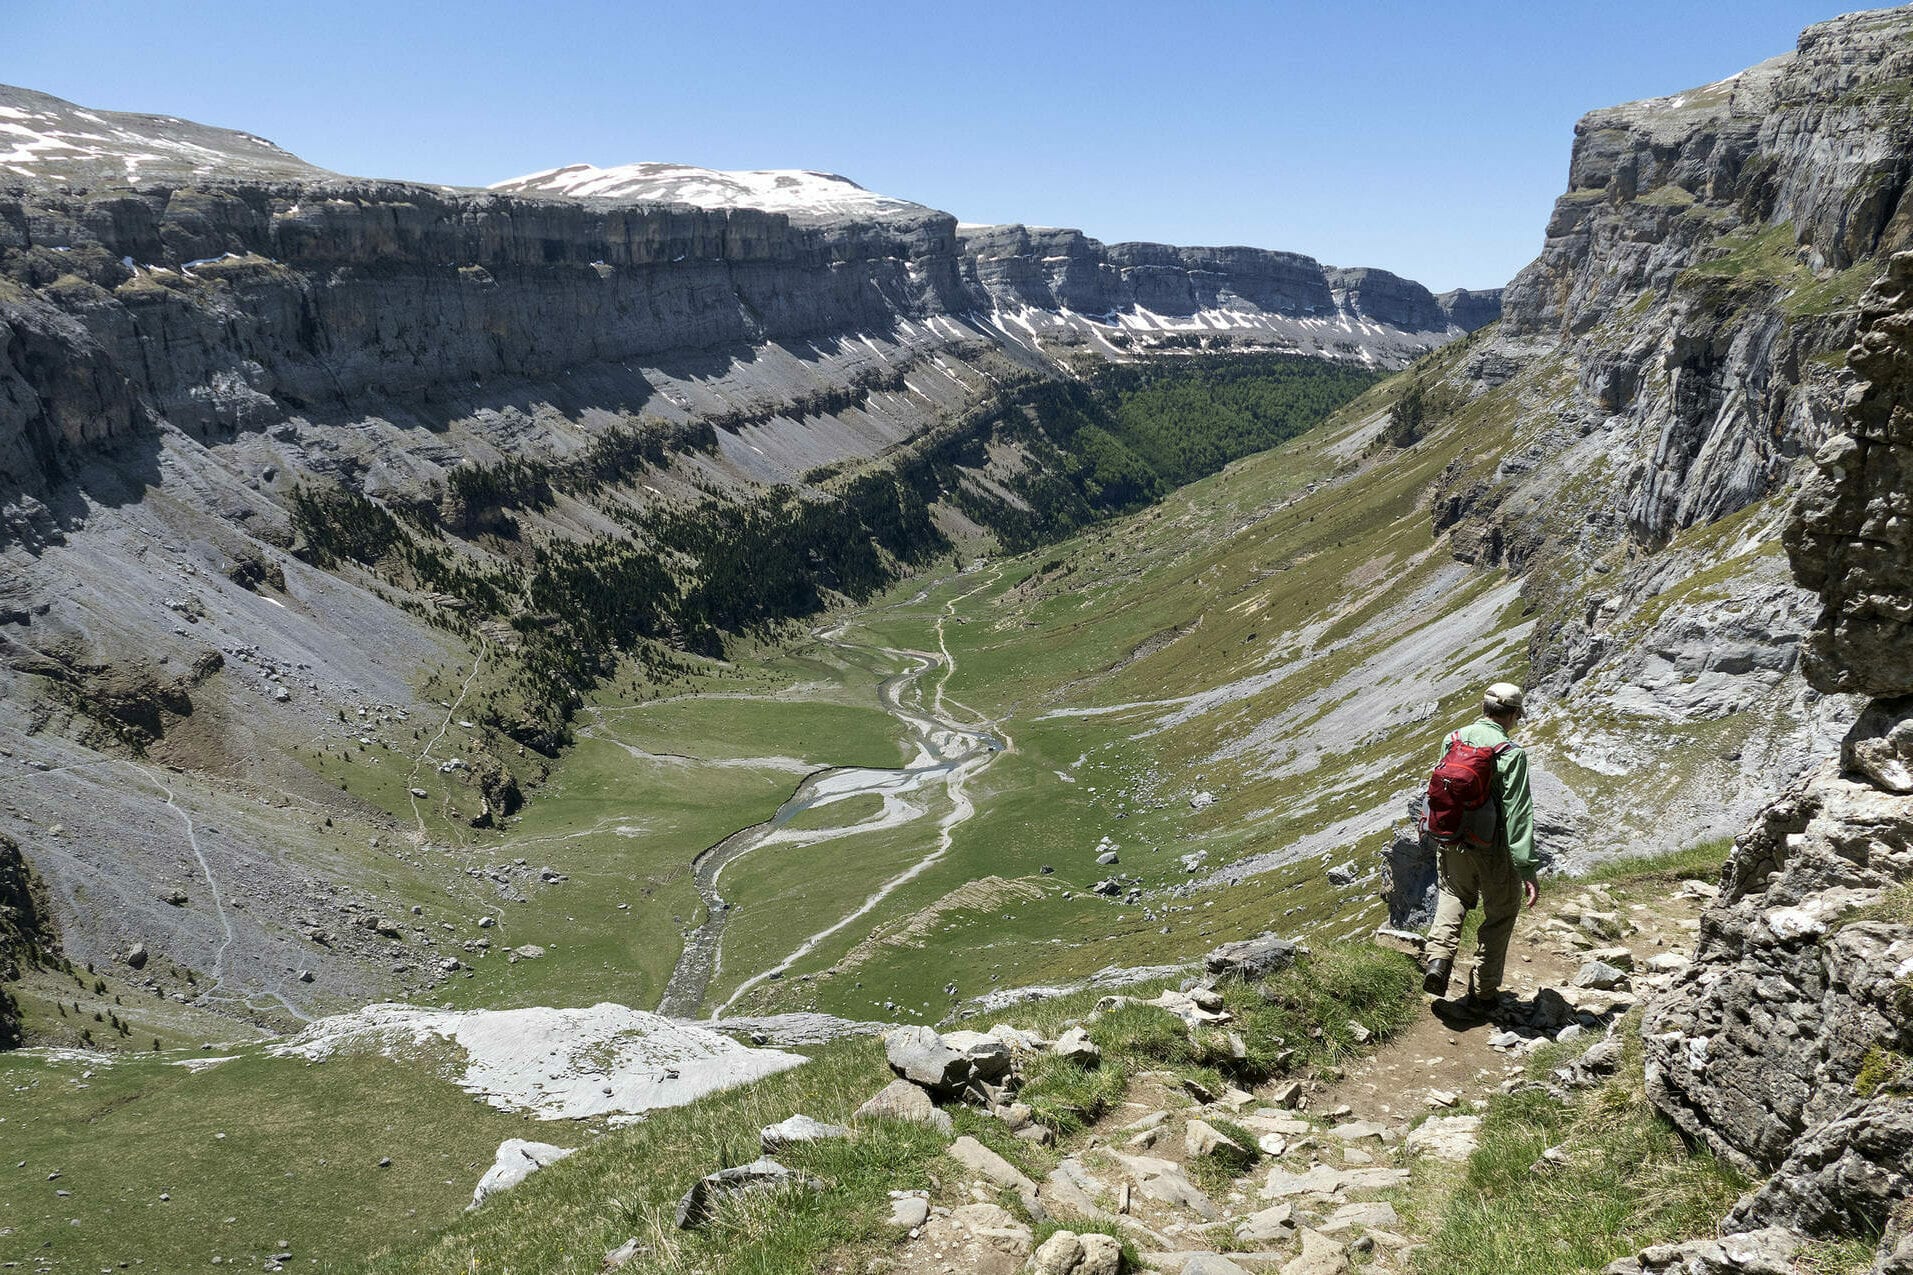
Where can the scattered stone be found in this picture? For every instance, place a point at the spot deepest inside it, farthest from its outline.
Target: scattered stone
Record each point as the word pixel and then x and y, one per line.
pixel 622 1254
pixel 1107 859
pixel 1251 958
pixel 1210 1264
pixel 1272 1225
pixel 1320 1256
pixel 795 1131
pixel 1344 873
pixel 1040 1134
pixel 1450 1138
pixel 700 1203
pixel 1600 976
pixel 1405 941
pixel 1764 1252
pixel 908 1212
pixel 1368 1216
pixel 1321 1180
pixel 1358 1033
pixel 1288 1096
pixel 1164 1181
pixel 1076 1046
pixel 1200 1138
pixel 136 956
pixel 1067 1253
pixel 1439 1098
pixel 515 1160
pixel 1361 1130
pixel 1202 800
pixel 976 1157
pixel 901 1100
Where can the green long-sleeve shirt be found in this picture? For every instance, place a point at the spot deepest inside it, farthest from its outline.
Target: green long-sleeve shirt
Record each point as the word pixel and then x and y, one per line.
pixel 1517 801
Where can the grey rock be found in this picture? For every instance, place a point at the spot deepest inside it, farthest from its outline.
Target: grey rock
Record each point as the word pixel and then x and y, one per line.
pixel 1272 1225
pixel 1844 1177
pixel 515 1160
pixel 1344 873
pixel 1601 976
pixel 919 1055
pixel 136 956
pixel 1768 1252
pixel 1251 958
pixel 1210 1264
pixel 901 1100
pixel 1108 858
pixel 699 1204
pixel 909 1211
pixel 1067 1253
pixel 1076 1046
pixel 795 1131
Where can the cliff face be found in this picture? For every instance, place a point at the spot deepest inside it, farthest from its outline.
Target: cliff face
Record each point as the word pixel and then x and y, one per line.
pixel 155 273
pixel 1650 399
pixel 1788 1047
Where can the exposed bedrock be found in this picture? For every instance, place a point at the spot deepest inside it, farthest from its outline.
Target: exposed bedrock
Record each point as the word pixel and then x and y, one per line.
pixel 1787 1048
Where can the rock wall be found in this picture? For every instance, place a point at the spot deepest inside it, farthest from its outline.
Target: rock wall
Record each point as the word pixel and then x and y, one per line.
pixel 26 932
pixel 1787 1048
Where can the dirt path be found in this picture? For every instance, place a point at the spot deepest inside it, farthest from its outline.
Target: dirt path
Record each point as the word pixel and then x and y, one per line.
pixel 1317 1203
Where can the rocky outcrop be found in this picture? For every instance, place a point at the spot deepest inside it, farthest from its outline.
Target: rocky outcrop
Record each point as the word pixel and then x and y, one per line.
pixel 26 932
pixel 1783 1046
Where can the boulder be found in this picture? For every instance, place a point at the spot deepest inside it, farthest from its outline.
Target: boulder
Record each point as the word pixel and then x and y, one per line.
pixel 1842 1178
pixel 699 1204
pixel 1067 1253
pixel 1076 1046
pixel 1200 1139
pixel 513 1162
pixel 979 1159
pixel 922 1057
pixel 901 1100
pixel 989 1056
pixel 1165 1182
pixel 1601 976
pixel 1766 1252
pixel 1251 958
pixel 1451 1138
pixel 1320 1255
pixel 1272 1225
pixel 795 1131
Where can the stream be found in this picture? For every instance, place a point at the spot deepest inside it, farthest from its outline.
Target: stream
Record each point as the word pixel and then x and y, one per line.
pixel 947 753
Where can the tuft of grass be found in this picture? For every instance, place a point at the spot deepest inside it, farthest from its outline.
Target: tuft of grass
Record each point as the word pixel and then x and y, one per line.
pixel 1894 906
pixel 1884 1071
pixel 1630 1181
pixel 1068 1097
pixel 1700 862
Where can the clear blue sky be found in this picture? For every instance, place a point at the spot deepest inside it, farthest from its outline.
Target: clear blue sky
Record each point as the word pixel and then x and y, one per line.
pixel 1429 138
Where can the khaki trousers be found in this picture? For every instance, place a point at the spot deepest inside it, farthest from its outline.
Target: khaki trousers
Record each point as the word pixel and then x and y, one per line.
pixel 1469 876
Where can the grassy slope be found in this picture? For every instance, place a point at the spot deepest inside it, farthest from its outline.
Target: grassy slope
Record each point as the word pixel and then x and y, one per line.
pixel 626 1184
pixel 251 1152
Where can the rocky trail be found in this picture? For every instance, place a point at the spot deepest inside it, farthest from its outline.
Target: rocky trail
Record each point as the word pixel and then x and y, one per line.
pixel 1166 1169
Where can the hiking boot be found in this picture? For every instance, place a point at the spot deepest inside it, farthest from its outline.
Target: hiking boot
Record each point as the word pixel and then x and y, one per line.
pixel 1435 981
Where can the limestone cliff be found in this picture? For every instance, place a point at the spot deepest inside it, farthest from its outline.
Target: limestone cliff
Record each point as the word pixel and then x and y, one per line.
pixel 1648 402
pixel 1786 1047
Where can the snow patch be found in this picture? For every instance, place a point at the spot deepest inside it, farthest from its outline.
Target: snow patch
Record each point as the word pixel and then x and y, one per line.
pixel 785 190
pixel 555 1064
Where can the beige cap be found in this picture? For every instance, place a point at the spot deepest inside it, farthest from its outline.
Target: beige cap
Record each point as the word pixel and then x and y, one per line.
pixel 1504 697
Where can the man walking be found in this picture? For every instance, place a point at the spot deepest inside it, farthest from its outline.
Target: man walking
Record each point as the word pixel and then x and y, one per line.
pixel 1485 855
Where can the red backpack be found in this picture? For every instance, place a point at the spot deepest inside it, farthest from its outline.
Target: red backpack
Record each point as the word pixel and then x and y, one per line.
pixel 1463 805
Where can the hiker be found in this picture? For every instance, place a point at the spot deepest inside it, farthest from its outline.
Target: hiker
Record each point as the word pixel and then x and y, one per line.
pixel 1480 814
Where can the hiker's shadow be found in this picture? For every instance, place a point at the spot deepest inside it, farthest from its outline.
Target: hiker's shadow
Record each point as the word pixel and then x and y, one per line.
pixel 1458 1015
